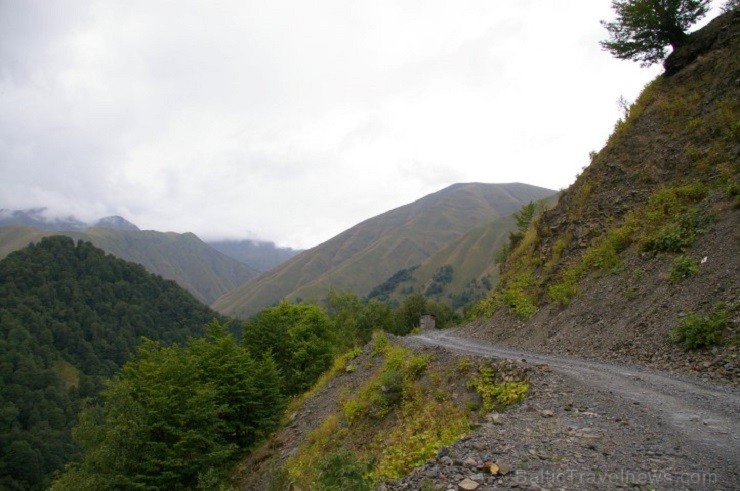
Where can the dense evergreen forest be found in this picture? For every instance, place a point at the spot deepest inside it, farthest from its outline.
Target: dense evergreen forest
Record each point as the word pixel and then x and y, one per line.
pixel 113 378
pixel 70 317
pixel 178 417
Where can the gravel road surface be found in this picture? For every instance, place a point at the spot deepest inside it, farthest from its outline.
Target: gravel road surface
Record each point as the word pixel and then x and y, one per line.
pixel 596 425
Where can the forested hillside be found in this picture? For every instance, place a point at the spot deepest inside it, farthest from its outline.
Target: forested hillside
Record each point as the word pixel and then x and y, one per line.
pixel 70 316
pixel 73 317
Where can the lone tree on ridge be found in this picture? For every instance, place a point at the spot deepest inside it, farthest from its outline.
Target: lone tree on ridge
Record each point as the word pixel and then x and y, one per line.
pixel 644 28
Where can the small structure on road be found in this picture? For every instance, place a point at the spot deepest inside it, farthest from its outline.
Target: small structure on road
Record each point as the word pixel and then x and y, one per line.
pixel 427 322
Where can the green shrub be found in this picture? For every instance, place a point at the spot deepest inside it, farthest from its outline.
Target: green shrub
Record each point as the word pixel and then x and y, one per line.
pixel 386 391
pixel 380 341
pixel 423 427
pixel 342 470
pixel 517 299
pixel 464 364
pixel 557 251
pixel 497 395
pixel 683 267
pixel 564 291
pixel 606 255
pixel 675 236
pixel 486 307
pixel 671 222
pixel 701 331
pixel 519 303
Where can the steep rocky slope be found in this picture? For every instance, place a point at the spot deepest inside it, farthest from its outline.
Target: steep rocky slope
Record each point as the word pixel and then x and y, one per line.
pixel 647 236
pixel 370 252
pixel 582 425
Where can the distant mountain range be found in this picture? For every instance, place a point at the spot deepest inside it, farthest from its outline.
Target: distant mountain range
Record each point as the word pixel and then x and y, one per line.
pixel 183 258
pixel 262 256
pixel 449 238
pixel 369 253
pixel 195 265
pixel 36 218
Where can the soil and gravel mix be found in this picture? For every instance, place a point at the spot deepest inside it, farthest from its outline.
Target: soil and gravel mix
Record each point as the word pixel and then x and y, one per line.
pixel 584 425
pixel 589 425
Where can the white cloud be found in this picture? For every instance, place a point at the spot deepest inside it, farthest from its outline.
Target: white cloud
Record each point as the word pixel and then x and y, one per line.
pixel 292 121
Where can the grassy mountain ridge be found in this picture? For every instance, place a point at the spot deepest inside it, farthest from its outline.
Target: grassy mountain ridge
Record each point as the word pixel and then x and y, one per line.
pixel 645 237
pixel 471 262
pixel 183 258
pixel 462 271
pixel 368 253
pixel 16 237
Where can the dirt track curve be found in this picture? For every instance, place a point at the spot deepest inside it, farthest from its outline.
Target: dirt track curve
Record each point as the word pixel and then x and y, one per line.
pixel 702 417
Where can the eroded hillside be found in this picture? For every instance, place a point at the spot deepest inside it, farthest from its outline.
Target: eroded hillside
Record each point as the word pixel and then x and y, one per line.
pixel 379 413
pixel 645 241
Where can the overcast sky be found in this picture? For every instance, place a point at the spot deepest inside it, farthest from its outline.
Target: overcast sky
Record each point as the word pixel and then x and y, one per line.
pixel 289 120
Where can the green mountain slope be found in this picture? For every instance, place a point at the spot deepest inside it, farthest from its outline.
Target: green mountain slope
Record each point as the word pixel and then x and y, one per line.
pixel 639 258
pixel 16 237
pixel 368 253
pixel 70 316
pixel 183 258
pixel 459 273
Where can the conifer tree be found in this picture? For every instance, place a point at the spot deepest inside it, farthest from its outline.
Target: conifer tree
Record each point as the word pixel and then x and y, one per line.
pixel 644 28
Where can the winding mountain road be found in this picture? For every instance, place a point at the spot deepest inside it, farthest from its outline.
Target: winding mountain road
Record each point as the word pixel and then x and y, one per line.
pixel 705 417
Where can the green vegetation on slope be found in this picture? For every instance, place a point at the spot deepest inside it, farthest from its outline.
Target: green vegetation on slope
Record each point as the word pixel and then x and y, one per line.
pixel 668 169
pixel 697 331
pixel 464 271
pixel 396 420
pixel 183 258
pixel 70 316
pixel 669 223
pixel 367 254
pixel 16 237
pixel 176 416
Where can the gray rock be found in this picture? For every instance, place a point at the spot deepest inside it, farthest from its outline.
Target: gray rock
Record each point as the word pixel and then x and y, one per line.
pixel 467 484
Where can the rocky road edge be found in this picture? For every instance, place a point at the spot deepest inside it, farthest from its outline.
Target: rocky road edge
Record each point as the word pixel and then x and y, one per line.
pixel 591 425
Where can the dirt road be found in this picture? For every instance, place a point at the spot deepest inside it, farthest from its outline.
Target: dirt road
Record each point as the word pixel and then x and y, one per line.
pixel 686 431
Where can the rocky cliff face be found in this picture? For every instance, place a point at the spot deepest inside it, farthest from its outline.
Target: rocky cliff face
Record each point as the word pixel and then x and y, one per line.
pixel 601 271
